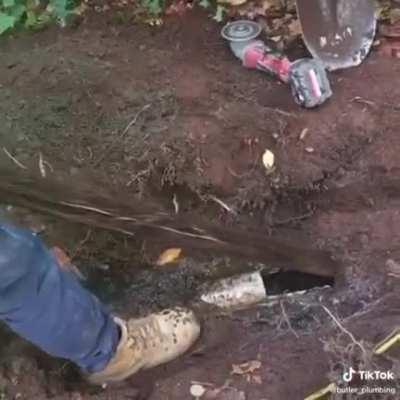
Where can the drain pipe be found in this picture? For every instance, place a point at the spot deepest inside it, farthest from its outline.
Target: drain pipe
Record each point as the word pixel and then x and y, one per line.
pixel 245 290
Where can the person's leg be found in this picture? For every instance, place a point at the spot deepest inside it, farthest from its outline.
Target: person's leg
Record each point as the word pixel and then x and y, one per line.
pixel 47 306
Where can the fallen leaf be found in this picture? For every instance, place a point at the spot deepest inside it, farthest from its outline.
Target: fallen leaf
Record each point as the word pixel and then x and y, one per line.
pixel 169 256
pixel 268 159
pixel 276 39
pixel 232 2
pixel 246 368
pixel 65 262
pixel 197 390
pixel 267 5
pixel 60 255
pixel 303 134
pixel 154 21
pixel 219 13
pixel 393 268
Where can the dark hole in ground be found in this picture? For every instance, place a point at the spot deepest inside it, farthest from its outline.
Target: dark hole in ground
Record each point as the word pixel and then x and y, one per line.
pixel 292 281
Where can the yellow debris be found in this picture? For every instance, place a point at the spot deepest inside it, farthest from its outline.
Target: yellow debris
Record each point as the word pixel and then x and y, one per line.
pixel 388 342
pixel 331 388
pixel 168 256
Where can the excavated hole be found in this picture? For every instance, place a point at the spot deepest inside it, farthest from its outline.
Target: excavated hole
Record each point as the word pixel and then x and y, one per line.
pixel 284 282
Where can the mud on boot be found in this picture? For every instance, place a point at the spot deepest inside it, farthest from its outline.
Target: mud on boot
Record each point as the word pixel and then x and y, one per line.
pixel 148 342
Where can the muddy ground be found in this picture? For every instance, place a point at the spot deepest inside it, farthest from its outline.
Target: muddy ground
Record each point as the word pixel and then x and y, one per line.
pixel 198 126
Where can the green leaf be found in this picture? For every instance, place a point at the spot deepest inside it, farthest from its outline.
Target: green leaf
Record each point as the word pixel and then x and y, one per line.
pixel 219 14
pixel 31 19
pixel 204 3
pixel 60 8
pixel 6 22
pixel 17 11
pixel 154 6
pixel 8 3
pixel 36 21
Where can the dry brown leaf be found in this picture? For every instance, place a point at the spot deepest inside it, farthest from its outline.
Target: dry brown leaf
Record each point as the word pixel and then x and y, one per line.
pixel 276 39
pixel 267 4
pixel 168 256
pixel 232 2
pixel 61 256
pixel 295 28
pixel 246 368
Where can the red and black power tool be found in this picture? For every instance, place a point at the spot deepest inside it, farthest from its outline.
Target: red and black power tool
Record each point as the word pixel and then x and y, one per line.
pixel 307 77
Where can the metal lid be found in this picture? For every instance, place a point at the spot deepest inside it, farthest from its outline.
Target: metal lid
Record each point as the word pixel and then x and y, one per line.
pixel 241 31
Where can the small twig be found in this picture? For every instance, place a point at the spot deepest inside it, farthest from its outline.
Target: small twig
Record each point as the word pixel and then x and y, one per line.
pixel 90 152
pixel 293 219
pixel 42 168
pixel 175 203
pixel 49 165
pixel 287 320
pixel 236 175
pixel 124 132
pixel 14 159
pixel 222 204
pixel 279 111
pixel 88 208
pixel 343 329
pixel 192 235
pixel 137 176
pixel 162 227
pixel 81 244
pixel 370 103
pixel 361 100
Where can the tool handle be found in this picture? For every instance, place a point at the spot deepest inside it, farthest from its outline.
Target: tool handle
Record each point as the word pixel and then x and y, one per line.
pixel 259 56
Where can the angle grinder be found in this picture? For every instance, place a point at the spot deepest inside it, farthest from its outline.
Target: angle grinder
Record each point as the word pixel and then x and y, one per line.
pixel 307 77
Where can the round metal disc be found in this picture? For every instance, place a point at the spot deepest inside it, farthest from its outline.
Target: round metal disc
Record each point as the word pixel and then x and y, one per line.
pixel 240 31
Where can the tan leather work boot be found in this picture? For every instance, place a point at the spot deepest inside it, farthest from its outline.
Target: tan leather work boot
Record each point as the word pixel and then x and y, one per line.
pixel 148 342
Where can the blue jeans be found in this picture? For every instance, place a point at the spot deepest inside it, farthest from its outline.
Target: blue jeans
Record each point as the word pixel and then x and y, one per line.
pixel 47 306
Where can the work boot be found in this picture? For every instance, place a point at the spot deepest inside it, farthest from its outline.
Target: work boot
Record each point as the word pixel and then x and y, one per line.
pixel 148 342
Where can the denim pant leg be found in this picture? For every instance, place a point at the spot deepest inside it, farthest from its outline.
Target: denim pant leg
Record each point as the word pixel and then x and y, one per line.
pixel 47 306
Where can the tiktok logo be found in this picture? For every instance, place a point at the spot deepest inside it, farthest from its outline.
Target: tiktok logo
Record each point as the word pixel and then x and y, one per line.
pixel 348 376
pixel 368 375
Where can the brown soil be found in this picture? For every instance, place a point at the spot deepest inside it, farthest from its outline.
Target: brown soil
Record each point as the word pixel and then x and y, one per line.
pixel 199 124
